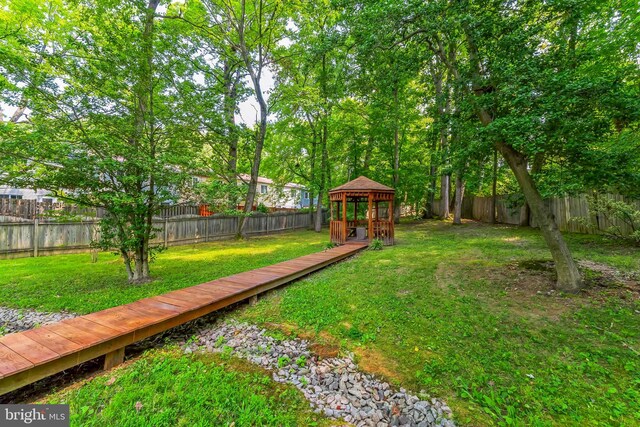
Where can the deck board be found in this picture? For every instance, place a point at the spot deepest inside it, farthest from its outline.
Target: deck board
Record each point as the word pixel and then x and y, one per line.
pixel 88 326
pixel 26 347
pixel 28 356
pixel 79 336
pixel 53 341
pixel 12 361
pixel 170 300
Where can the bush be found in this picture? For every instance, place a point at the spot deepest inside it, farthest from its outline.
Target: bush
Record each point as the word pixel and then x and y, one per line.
pixel 376 245
pixel 262 208
pixel 614 211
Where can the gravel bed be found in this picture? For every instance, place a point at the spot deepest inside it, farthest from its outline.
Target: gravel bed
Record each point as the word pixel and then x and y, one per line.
pixel 17 320
pixel 333 386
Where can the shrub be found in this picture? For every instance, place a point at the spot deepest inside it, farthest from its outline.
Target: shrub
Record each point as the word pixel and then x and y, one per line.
pixel 330 245
pixel 612 211
pixel 376 245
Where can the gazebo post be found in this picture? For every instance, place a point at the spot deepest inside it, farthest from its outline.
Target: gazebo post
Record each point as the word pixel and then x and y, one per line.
pixel 370 230
pixel 344 217
pixel 355 211
pixel 390 235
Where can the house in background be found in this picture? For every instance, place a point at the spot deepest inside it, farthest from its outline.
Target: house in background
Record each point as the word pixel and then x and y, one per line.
pixel 26 194
pixel 279 196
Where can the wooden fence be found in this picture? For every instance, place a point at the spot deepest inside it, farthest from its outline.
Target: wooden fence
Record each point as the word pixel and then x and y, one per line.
pixel 35 238
pixel 12 210
pixel 564 209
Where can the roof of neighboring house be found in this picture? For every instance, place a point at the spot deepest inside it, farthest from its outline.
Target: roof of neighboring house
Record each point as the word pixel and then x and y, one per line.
pixel 262 180
pixel 362 183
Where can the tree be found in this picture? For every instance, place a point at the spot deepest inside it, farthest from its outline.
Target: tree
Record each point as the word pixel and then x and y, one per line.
pixel 504 59
pixel 103 126
pixel 252 29
pixel 311 75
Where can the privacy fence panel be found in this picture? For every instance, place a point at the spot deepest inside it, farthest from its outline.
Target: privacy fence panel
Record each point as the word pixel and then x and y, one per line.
pixel 36 238
pixel 52 236
pixel 16 238
pixel 565 210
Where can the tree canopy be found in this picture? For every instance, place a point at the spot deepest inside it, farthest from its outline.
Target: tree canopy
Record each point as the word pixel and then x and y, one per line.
pixel 117 104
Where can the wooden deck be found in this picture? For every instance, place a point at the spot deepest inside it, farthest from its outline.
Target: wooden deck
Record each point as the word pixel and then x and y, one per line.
pixel 28 356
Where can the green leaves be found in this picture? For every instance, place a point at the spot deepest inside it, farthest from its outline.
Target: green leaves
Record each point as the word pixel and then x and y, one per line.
pixel 102 129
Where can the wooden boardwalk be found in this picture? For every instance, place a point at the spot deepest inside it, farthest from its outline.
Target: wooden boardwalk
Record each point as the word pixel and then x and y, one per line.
pixel 28 356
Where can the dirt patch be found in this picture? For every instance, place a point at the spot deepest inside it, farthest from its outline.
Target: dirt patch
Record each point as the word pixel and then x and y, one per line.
pixel 285 328
pixel 326 345
pixel 601 280
pixel 374 362
pixel 603 275
pixel 323 343
pixel 325 351
pixel 526 288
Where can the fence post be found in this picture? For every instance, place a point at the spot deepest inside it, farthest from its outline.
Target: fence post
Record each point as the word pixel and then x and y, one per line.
pixel 206 229
pixel 36 237
pixel 166 232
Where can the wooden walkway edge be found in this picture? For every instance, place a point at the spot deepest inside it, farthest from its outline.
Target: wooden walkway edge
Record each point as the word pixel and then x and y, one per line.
pixel 31 355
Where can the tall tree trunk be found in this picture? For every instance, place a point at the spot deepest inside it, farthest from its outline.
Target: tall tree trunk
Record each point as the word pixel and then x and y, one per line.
pixel 445 196
pixel 324 136
pixel 457 210
pixel 312 173
pixel 442 105
pixel 323 175
pixel 494 187
pixel 231 79
pixel 312 179
pixel 396 155
pixel 569 279
pixel 368 151
pixel 431 191
pixel 145 123
pixel 255 169
pixel 254 75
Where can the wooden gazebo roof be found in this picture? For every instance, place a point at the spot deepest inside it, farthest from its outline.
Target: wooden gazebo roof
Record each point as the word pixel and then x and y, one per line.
pixel 362 183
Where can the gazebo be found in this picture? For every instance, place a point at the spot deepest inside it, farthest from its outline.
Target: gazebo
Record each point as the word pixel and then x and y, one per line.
pixel 361 210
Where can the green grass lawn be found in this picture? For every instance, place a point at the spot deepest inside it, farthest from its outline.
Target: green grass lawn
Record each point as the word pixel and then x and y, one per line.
pixel 462 312
pixel 73 283
pixel 167 388
pixel 452 310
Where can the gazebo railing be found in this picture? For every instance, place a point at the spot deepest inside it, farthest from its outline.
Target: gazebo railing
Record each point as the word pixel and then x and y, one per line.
pixel 383 230
pixel 336 231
